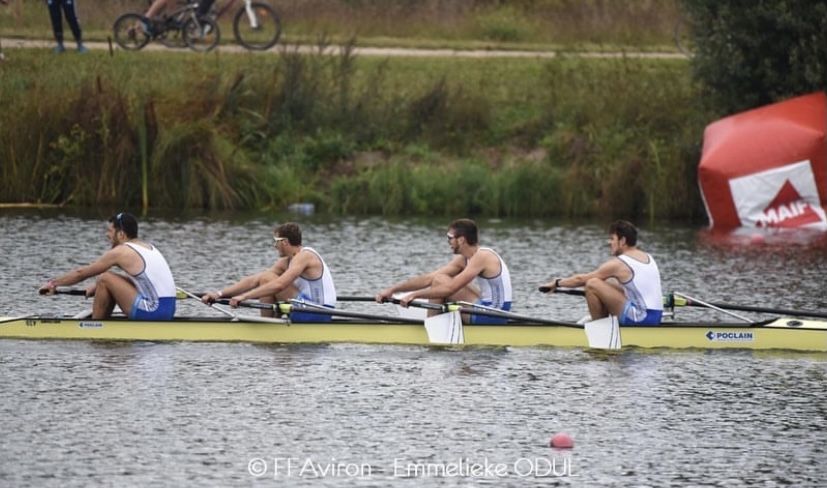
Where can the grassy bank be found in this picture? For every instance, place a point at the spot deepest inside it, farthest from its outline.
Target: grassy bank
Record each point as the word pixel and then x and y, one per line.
pixel 500 137
pixel 524 24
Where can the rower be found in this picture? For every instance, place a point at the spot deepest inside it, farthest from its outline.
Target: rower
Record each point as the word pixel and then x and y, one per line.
pixel 147 292
pixel 627 286
pixel 299 273
pixel 475 274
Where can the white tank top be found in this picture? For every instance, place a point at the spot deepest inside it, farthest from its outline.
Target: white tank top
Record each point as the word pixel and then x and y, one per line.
pixel 320 290
pixel 644 289
pixel 495 291
pixel 155 280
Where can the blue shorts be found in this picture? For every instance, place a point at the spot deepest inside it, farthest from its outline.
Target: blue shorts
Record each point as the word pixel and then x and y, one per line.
pixel 487 319
pixel 165 310
pixel 652 316
pixel 304 316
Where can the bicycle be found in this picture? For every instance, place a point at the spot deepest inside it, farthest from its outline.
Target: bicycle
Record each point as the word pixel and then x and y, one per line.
pixel 256 25
pixel 133 31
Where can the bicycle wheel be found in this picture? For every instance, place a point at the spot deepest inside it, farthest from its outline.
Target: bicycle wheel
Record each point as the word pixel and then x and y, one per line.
pixel 257 27
pixel 201 35
pixel 130 32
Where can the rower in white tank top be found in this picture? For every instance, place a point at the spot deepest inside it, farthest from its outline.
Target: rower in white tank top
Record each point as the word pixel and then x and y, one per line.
pixel 643 292
pixel 155 284
pixel 321 290
pixel 495 292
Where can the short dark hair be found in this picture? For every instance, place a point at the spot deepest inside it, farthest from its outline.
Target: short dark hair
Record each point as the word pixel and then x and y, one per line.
pixel 466 228
pixel 291 231
pixel 624 229
pixel 125 222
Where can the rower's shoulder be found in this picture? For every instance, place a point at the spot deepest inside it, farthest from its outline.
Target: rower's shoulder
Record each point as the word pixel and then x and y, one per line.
pixel 639 255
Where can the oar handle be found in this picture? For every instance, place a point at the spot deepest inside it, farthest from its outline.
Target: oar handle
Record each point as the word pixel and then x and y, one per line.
pixel 66 291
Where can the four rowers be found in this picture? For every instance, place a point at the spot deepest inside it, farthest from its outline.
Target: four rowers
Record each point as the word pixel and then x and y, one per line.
pixel 627 285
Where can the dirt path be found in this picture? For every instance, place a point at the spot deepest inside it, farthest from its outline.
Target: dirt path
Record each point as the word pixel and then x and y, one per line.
pixel 373 51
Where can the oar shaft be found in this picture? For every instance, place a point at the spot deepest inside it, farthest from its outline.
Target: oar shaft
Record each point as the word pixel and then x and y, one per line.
pixel 354 298
pixel 747 308
pixel 220 309
pixel 712 306
pixel 313 308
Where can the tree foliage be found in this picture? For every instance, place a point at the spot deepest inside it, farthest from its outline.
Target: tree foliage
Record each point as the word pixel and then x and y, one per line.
pixel 753 52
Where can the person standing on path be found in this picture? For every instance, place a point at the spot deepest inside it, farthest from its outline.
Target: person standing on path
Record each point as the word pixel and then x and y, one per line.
pixel 68 8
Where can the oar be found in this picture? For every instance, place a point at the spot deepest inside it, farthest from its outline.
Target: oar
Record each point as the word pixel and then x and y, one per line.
pixel 284 307
pixel 244 318
pixel 694 302
pixel 19 317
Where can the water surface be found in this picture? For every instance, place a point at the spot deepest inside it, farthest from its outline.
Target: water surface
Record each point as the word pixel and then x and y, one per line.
pixel 82 413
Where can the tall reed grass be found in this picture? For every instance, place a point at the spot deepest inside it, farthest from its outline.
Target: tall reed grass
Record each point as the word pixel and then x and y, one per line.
pixel 633 23
pixel 500 137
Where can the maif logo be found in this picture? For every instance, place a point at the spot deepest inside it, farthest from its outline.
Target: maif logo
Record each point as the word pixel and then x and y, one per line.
pixel 780 197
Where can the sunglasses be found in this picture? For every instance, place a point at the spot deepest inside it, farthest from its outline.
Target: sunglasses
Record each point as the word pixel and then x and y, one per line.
pixel 277 240
pixel 451 237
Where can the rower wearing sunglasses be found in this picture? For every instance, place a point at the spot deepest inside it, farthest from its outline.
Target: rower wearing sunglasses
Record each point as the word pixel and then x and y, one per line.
pixel 475 274
pixel 300 274
pixel 146 292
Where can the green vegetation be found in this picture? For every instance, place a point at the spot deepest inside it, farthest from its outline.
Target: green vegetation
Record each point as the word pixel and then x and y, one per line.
pixel 500 137
pixel 754 53
pixel 522 24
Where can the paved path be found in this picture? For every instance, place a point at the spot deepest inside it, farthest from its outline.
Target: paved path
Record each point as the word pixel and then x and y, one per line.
pixel 373 51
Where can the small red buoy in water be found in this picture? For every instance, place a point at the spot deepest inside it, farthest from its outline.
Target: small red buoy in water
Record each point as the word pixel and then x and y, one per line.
pixel 561 440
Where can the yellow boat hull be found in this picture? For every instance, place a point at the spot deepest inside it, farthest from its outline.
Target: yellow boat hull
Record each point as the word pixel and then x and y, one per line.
pixel 783 333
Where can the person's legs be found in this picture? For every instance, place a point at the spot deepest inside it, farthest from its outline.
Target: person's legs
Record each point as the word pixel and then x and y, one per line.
pixel 465 294
pixel 113 289
pixel 287 294
pixel 72 19
pixel 156 8
pixel 604 298
pixel 57 23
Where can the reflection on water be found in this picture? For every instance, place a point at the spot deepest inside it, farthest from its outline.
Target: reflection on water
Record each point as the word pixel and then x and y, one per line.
pixel 183 414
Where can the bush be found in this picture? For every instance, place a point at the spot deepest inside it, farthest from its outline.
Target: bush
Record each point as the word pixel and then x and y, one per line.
pixel 751 53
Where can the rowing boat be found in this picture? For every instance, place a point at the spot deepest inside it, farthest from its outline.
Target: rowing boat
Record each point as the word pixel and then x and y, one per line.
pixel 779 333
